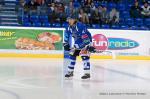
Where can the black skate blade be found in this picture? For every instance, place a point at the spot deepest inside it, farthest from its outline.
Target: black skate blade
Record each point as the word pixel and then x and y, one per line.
pixel 68 78
pixel 85 79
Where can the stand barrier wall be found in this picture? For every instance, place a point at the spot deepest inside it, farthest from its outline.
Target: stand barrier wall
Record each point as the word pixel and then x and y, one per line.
pixel 47 43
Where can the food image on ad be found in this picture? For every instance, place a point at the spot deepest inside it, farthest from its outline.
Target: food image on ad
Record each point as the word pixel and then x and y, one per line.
pixel 31 39
pixel 30 44
pixel 49 37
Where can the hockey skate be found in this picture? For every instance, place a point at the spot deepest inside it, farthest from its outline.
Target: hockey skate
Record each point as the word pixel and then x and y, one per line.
pixel 86 76
pixel 69 74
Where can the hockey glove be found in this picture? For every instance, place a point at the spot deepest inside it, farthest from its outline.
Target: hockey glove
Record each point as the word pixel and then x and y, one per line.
pixel 91 49
pixel 66 46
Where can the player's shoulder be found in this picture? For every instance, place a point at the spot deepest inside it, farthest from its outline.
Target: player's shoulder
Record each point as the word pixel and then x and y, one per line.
pixel 67 27
pixel 80 25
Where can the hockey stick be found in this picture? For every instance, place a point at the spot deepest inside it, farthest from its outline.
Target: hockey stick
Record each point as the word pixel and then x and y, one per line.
pixel 102 51
pixel 93 50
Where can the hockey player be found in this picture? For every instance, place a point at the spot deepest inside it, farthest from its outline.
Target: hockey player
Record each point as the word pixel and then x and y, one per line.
pixel 76 40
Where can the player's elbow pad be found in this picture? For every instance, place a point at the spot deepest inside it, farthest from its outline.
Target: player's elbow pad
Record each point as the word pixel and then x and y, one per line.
pixel 79 46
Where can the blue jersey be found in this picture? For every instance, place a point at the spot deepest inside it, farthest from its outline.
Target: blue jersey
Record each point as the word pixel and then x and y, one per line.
pixel 79 33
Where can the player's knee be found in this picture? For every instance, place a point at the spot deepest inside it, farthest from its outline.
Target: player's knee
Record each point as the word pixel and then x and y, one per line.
pixel 75 53
pixel 85 57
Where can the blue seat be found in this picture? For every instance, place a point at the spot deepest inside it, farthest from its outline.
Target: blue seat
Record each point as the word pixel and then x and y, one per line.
pixel 95 26
pixel 134 28
pixel 37 24
pixel 25 20
pixel 105 26
pixel 27 24
pixel 27 1
pixel 147 22
pixel 25 17
pixel 43 17
pixel 46 24
pixel 104 4
pixel 65 24
pixel 129 21
pixel 139 21
pixel 125 14
pixel 128 7
pixel 111 5
pixel 115 27
pixel 125 2
pixel 121 21
pixel 121 7
pixel 49 10
pixel 96 5
pixel 34 17
pixel 88 25
pixel 76 4
pixel 144 28
pixel 56 25
pixel 125 27
pixel 131 1
pixel 44 21
pixel 35 21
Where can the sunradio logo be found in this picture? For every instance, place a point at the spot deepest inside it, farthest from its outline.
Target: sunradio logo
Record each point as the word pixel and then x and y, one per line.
pixel 122 43
pixel 101 42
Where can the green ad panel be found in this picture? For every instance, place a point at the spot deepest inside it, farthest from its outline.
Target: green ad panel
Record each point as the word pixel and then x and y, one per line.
pixel 31 39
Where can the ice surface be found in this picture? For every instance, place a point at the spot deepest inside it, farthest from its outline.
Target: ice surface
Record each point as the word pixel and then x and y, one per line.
pixel 27 78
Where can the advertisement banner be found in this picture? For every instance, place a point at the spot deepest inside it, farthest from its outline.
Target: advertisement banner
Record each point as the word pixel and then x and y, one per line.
pixel 41 40
pixel 122 42
pixel 31 39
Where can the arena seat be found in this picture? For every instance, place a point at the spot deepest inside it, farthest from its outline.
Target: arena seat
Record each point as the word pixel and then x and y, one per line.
pixel 37 24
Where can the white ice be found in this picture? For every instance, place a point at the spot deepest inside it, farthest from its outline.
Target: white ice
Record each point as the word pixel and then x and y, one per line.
pixel 28 78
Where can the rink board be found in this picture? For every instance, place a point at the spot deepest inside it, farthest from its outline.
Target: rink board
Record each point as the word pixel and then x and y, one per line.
pixel 124 44
pixel 60 56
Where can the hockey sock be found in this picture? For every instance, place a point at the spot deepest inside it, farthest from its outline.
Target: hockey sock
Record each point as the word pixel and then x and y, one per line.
pixel 72 63
pixel 86 64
